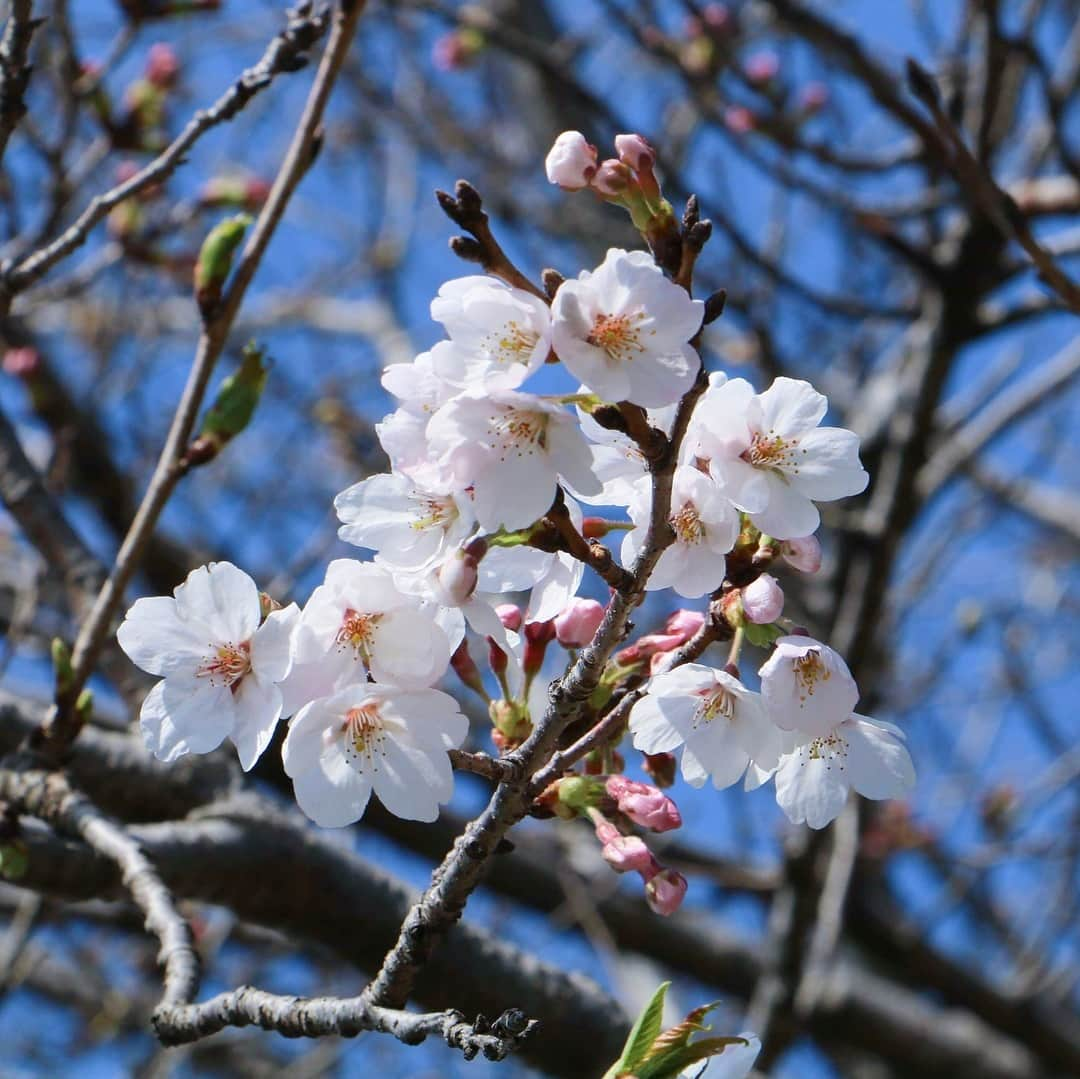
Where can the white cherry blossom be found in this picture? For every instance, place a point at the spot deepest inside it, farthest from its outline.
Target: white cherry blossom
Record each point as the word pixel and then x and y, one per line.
pixel 624 331
pixel 500 334
pixel 358 623
pixel 407 524
pixel 510 448
pixel 860 754
pixel 571 161
pixel 220 668
pixel 705 524
pixel 369 737
pixel 771 457
pixel 720 724
pixel 806 686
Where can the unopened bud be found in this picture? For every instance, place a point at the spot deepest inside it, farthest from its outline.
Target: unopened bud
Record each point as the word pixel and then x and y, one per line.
pixel 763 600
pixel 465 668
pixel 635 151
pixel 22 362
pixel 613 178
pixel 802 554
pixel 236 400
pixel 457 577
pixel 162 66
pixel 510 616
pixel 627 854
pixel 762 68
pixel 538 635
pixel 665 892
pixel 571 161
pixel 577 623
pixel 813 97
pixel 644 804
pixel 215 260
pixel 739 119
pixel 267 605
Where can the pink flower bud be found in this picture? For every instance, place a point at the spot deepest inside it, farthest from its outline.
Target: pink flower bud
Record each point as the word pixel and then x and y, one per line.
pixel 578 621
pixel 21 362
pixel 802 554
pixel 509 615
pixel 644 804
pixel 457 578
pixel 627 854
pixel 763 600
pixel 571 161
pixel 684 624
pixel 665 892
pixel 718 16
pixel 466 669
pixel 813 97
pixel 762 68
pixel 612 178
pixel 739 119
pixel 538 635
pixel 635 151
pixel 498 660
pixel 162 66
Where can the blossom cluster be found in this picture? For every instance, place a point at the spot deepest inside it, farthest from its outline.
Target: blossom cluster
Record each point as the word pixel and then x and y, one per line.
pixel 482 503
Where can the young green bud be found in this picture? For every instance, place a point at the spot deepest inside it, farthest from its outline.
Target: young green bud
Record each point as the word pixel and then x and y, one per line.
pixel 215 260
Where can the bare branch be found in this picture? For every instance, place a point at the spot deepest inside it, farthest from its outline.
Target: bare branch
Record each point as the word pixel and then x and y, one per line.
pixel 15 66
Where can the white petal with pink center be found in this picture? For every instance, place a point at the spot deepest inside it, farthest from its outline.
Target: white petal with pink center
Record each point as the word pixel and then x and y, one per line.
pixel 624 331
pixel 407 524
pixel 367 738
pixel 358 623
pixel 771 457
pixel 806 686
pixel 501 335
pixel 220 668
pixel 860 754
pixel 510 448
pixel 706 525
pixel 720 724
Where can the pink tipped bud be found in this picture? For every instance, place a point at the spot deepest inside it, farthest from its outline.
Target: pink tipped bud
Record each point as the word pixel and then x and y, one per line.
pixel 498 660
pixel 763 600
pixel 538 635
pixel 162 66
pixel 644 804
pixel 571 161
pixel 661 768
pixel 813 97
pixel 613 178
pixel 802 554
pixel 739 119
pixel 635 151
pixel 578 622
pixel 21 362
pixel 457 50
pixel 762 68
pixel 457 578
pixel 684 624
pixel 466 669
pixel 510 616
pixel 596 527
pixel 665 892
pixel 628 854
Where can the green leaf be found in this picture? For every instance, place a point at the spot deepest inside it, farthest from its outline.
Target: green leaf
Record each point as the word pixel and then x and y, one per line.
pixel 762 636
pixel 669 1064
pixel 237 398
pixel 215 258
pixel 61 660
pixel 640 1039
pixel 680 1034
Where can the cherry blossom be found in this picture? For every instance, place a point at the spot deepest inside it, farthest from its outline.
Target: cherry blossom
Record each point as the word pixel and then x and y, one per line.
pixel 220 668
pixel 720 724
pixel 358 623
pixel 369 737
pixel 705 524
pixel 860 754
pixel 806 686
pixel 407 524
pixel 623 330
pixel 571 161
pixel 510 448
pixel 500 334
pixel 770 456
pixel 577 622
pixel 763 600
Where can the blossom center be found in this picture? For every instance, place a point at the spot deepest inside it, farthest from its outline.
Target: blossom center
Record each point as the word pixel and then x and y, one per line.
pixel 432 512
pixel 687 524
pixel 227 664
pixel 618 335
pixel 772 451
pixel 514 344
pixel 363 735
pixel 717 702
pixel 830 748
pixel 519 432
pixel 809 671
pixel 358 632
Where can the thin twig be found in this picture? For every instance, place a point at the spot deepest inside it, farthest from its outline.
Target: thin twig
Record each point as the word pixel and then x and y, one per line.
pixel 285 53
pixel 61 725
pixel 15 67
